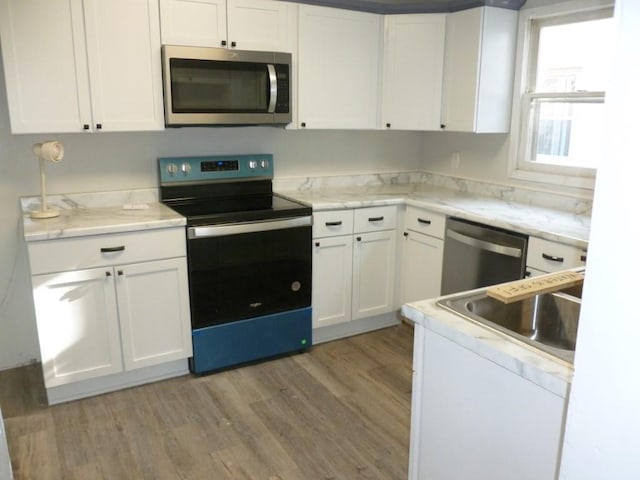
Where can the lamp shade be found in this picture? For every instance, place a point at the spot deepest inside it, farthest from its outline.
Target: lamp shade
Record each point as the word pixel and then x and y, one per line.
pixel 49 151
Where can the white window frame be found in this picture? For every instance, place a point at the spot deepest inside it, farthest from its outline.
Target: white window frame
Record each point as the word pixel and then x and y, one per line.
pixel 552 174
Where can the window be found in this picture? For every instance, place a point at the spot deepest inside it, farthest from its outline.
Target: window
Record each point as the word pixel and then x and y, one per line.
pixel 560 122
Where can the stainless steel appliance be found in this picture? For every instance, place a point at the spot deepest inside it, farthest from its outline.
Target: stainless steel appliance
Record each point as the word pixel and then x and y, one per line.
pixel 217 86
pixel 477 255
pixel 248 255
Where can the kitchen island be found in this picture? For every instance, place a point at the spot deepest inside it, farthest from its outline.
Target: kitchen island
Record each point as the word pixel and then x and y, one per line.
pixel 484 405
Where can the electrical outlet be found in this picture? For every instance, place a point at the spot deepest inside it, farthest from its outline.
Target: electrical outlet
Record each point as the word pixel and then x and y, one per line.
pixel 455 160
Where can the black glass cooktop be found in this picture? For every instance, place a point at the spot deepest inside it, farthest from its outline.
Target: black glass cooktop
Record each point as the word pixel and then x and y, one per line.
pixel 237 209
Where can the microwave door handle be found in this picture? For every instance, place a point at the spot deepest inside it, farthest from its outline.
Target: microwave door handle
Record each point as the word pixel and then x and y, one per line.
pixel 273 88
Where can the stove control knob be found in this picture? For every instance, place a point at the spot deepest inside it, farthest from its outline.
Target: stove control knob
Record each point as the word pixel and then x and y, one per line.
pixel 264 163
pixel 172 169
pixel 253 164
pixel 185 168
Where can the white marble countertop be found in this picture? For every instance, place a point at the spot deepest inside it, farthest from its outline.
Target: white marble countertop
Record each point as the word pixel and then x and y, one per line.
pixel 544 370
pixel 555 225
pixel 98 213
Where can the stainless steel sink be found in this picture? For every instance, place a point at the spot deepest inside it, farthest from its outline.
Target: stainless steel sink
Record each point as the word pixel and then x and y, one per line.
pixel 547 321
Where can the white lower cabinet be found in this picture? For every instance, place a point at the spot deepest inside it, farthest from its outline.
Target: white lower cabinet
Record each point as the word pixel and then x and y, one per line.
pixel 374 265
pixel 545 256
pixel 118 317
pixel 473 419
pixel 422 256
pixel 153 308
pixel 77 318
pixel 353 273
pixel 332 267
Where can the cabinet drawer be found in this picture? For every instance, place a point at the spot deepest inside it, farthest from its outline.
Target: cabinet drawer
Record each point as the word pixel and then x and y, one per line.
pixel 550 256
pixel 424 221
pixel 65 254
pixel 332 223
pixel 373 219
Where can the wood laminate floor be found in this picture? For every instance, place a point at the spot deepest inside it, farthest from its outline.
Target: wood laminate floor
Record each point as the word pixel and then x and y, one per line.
pixel 339 411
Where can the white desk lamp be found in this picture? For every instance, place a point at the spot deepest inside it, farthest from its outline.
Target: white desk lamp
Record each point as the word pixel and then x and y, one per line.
pixel 52 152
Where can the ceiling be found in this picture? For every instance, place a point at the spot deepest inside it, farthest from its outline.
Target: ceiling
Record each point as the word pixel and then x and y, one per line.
pixel 414 6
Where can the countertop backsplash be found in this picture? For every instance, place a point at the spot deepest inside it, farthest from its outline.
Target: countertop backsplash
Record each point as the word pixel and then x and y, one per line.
pixel 407 182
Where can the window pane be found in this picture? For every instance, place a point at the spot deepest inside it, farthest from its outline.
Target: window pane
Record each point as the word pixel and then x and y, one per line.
pixel 567 133
pixel 574 56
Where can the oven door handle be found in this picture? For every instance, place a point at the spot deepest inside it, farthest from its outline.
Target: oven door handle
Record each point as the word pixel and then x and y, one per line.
pixel 248 227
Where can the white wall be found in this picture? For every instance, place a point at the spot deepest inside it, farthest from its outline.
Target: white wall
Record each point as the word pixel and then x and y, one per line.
pixel 97 162
pixel 603 425
pixel 482 157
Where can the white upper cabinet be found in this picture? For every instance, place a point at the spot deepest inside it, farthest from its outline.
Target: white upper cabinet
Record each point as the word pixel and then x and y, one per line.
pixel 478 70
pixel 338 68
pixel 45 65
pixel 413 68
pixel 82 65
pixel 125 73
pixel 201 23
pixel 264 25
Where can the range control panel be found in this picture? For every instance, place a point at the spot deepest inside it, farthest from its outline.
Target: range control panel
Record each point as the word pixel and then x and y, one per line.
pixel 218 167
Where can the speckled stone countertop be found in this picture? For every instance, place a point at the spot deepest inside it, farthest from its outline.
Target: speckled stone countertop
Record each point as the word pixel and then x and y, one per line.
pixel 544 370
pixel 98 213
pixel 521 214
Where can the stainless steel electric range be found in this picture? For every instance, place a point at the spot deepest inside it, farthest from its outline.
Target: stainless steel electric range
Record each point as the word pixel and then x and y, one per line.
pixel 249 258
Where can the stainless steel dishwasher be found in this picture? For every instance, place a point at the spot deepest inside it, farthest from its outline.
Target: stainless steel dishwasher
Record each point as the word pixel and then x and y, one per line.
pixel 477 255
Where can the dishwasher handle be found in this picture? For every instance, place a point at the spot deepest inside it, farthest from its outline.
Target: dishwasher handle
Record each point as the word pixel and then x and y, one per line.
pixel 485 245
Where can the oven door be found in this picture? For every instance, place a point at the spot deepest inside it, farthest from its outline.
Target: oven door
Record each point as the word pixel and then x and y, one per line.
pixel 247 270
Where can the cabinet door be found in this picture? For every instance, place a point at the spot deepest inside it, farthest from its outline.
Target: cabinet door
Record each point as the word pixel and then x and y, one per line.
pixel 478 70
pixel 374 259
pixel 201 23
pixel 413 67
pixel 259 25
pixel 45 65
pixel 77 322
pixel 338 54
pixel 332 269
pixel 153 306
pixel 422 269
pixel 461 69
pixel 123 45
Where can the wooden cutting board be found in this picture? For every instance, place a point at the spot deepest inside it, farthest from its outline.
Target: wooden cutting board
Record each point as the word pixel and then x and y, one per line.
pixel 514 291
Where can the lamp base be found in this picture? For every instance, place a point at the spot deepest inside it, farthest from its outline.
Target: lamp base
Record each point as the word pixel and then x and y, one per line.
pixel 47 213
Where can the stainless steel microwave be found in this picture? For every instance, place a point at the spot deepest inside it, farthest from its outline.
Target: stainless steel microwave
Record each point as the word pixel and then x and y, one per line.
pixel 219 86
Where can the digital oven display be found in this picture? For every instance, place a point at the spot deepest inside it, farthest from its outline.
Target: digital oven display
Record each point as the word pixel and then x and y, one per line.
pixel 219 166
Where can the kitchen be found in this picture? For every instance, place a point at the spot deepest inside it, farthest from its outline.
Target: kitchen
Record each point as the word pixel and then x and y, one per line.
pixel 100 160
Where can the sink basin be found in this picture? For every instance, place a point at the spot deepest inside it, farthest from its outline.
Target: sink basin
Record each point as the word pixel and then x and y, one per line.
pixel 548 321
